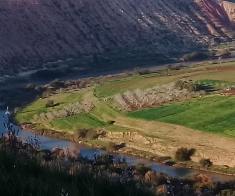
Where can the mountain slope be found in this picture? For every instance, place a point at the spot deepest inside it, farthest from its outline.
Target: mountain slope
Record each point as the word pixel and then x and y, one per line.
pixel 38 31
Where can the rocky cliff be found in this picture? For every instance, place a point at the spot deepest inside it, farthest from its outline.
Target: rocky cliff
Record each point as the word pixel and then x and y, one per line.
pixel 229 8
pixel 37 31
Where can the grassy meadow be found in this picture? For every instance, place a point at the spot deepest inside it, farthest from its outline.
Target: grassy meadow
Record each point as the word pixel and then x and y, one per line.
pixel 214 114
pixel 80 121
pixel 212 72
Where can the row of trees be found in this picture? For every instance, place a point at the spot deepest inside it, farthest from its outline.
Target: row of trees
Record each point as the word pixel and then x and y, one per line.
pixel 158 95
pixel 68 110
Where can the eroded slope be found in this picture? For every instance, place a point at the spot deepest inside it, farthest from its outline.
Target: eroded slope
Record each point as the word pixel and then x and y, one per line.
pixel 37 31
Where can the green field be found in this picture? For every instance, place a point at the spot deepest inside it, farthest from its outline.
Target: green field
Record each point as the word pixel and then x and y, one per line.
pixel 38 106
pixel 205 122
pixel 205 72
pixel 73 123
pixel 214 114
pixel 112 87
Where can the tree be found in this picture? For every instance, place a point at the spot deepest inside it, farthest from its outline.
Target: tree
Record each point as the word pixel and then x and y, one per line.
pixel 184 154
pixel 206 163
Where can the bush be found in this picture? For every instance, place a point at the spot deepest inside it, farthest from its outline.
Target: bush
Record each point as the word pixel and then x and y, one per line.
pixel 110 122
pixel 206 163
pixel 92 134
pixel 142 169
pixel 81 134
pixel 188 85
pixel 154 178
pixel 111 146
pixel 87 134
pixel 50 103
pixel 184 154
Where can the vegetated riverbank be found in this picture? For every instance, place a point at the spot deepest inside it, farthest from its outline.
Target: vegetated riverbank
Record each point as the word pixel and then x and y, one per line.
pixel 108 118
pixel 67 173
pixel 26 170
pixel 44 142
pixel 117 143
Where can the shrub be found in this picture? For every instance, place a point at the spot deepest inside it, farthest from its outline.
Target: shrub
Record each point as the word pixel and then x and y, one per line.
pixel 111 146
pixel 187 84
pixel 206 163
pixel 82 133
pixel 142 169
pixel 110 122
pixel 184 154
pixel 104 159
pixel 92 134
pixel 154 178
pixel 50 103
pixel 87 134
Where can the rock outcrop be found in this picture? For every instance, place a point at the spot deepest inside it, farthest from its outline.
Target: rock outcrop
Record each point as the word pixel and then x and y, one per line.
pixel 34 32
pixel 229 8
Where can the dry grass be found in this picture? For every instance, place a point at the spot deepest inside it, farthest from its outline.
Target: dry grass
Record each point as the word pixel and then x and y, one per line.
pixel 221 150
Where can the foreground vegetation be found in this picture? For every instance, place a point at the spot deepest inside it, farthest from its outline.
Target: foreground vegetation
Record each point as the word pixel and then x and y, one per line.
pixel 26 170
pixel 31 172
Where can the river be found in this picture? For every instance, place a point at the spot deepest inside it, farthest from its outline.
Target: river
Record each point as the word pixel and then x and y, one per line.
pixel 50 143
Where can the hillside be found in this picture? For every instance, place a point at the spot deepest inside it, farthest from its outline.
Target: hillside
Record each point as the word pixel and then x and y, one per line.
pixel 100 32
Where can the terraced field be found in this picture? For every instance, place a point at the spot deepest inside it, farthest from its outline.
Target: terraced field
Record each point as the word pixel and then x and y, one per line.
pixel 211 109
pixel 222 73
pixel 206 123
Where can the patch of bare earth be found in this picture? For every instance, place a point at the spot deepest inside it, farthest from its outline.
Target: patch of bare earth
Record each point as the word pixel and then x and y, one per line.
pixel 164 139
pixel 229 92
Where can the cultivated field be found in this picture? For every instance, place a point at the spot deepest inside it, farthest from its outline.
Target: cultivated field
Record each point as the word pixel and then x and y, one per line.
pixel 214 114
pixel 204 120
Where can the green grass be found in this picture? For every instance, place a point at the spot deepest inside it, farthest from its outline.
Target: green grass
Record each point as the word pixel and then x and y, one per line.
pixel 39 105
pixel 77 122
pixel 213 114
pixel 208 72
pixel 105 111
pixel 112 87
pixel 227 75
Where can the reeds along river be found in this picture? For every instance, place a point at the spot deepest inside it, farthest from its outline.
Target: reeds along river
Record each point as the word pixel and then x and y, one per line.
pixel 84 151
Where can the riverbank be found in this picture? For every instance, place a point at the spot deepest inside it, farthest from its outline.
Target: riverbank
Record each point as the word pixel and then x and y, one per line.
pixel 108 144
pixel 151 139
pixel 72 174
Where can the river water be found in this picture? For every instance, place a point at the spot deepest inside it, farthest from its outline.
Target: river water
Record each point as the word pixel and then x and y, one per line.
pixel 50 143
